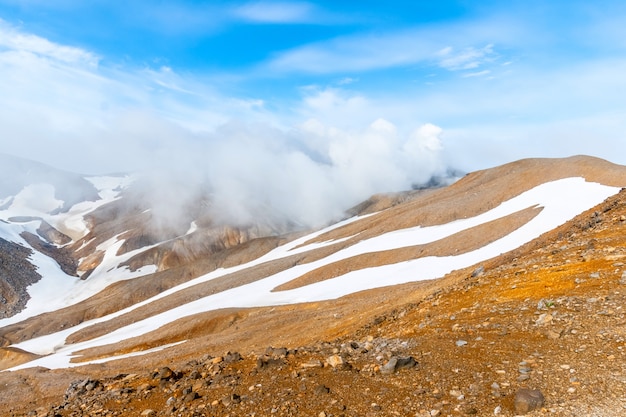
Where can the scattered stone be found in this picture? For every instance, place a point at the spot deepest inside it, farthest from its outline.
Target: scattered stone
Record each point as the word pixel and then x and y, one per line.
pixel 478 271
pixel 335 361
pixel 396 363
pixel 231 399
pixel 276 352
pixel 552 335
pixel 460 343
pixel 232 357
pixel 527 400
pixel 148 413
pixel 457 394
pixel 544 319
pixel 189 397
pixel 165 373
pixel 266 362
pixel 322 389
pixel 79 388
pixel 313 363
pixel 544 304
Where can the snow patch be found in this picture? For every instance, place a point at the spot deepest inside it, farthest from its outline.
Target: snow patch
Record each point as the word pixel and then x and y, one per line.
pixel 192 228
pixel 35 200
pixel 561 200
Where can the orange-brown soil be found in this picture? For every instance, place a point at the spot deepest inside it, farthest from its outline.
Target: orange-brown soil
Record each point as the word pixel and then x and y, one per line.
pixel 548 316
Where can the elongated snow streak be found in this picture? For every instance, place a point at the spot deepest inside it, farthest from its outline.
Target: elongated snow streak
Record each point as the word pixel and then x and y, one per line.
pixel 561 201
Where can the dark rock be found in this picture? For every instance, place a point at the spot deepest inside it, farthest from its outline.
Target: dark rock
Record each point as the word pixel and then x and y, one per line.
pixel 165 373
pixel 322 389
pixel 189 397
pixel 265 362
pixel 231 357
pixel 396 363
pixel 79 388
pixel 478 271
pixel 52 235
pixel 16 273
pixel 62 255
pixel 527 400
pixel 231 399
pixel 275 353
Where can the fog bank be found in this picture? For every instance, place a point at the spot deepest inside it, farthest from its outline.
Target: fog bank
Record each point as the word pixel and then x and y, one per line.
pixel 307 175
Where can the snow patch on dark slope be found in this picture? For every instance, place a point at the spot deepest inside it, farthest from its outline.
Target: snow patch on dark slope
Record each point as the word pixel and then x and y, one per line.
pixel 24 179
pixel 114 242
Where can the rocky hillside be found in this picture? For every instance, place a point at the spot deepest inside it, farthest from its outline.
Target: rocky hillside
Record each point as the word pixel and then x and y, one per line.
pixel 548 317
pixel 541 326
pixel 16 273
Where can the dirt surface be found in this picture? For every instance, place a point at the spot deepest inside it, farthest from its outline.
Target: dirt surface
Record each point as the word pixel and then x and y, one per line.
pixel 548 316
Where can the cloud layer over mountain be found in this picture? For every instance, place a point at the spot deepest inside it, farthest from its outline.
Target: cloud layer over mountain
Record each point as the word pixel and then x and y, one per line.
pixel 332 104
pixel 307 176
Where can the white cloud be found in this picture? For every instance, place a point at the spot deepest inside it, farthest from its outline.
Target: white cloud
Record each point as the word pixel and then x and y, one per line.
pixel 58 105
pixel 13 40
pixel 275 12
pixel 347 80
pixel 472 46
pixel 355 53
pixel 468 58
pixel 476 74
pixel 94 118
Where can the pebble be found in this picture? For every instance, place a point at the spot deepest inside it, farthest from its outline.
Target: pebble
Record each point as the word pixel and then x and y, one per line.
pixel 396 363
pixel 335 361
pixel 543 319
pixel 527 400
pixel 313 363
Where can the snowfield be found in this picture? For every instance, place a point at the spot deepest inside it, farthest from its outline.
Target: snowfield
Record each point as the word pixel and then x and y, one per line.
pixel 56 289
pixel 561 200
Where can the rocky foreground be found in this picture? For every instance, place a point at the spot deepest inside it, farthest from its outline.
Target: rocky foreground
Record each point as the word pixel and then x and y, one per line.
pixel 539 331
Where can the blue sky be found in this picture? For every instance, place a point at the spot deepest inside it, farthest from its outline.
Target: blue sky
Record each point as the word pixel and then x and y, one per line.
pixel 488 81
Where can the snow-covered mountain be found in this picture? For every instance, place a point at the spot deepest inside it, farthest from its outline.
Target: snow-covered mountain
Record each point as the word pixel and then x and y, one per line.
pixel 103 276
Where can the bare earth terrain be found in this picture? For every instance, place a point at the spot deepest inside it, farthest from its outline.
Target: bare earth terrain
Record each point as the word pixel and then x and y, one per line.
pixel 548 316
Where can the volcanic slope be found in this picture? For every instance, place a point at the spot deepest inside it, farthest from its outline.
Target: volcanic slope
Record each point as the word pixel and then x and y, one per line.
pixel 544 314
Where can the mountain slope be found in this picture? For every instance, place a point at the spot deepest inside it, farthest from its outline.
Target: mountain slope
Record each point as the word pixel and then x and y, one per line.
pixel 419 236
